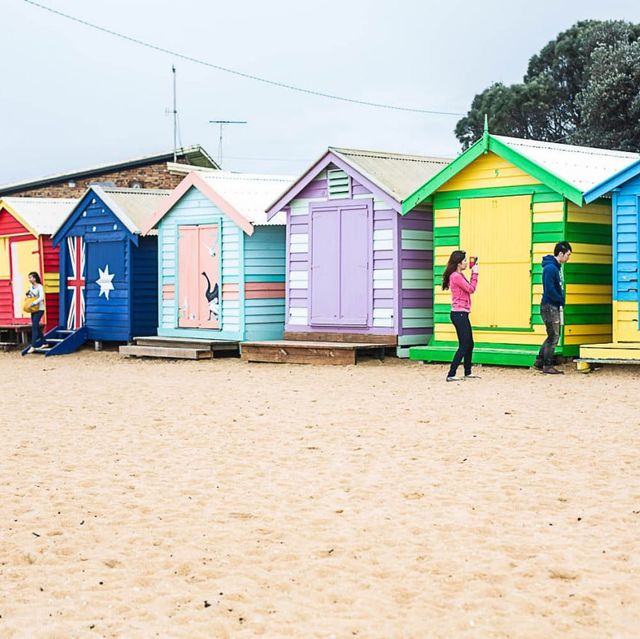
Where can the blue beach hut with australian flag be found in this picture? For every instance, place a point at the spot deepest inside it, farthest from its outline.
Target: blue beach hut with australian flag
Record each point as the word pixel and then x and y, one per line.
pixel 108 271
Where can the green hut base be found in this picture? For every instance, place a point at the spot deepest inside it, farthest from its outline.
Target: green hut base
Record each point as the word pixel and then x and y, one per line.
pixel 497 354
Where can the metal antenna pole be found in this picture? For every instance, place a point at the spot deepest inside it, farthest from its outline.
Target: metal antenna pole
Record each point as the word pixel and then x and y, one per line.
pixel 222 123
pixel 175 116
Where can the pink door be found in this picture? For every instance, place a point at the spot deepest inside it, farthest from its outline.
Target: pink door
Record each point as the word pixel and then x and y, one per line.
pixel 198 277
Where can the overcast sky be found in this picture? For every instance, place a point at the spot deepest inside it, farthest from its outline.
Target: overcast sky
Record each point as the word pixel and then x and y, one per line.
pixel 73 97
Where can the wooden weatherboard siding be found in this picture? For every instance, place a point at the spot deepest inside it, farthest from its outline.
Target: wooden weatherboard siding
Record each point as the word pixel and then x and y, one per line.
pixel 131 306
pixel 553 218
pixel 252 273
pixel 398 287
pixel 626 283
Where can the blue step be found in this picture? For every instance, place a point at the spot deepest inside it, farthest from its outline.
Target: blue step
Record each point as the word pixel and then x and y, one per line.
pixel 61 341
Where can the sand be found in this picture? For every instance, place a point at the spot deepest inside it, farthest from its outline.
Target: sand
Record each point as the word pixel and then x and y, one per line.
pixel 221 499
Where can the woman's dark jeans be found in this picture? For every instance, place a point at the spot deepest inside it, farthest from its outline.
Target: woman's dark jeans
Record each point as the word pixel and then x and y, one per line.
pixel 460 320
pixel 36 331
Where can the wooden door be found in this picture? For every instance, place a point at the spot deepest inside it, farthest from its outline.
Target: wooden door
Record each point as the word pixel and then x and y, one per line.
pixel 340 277
pixel 198 277
pixel 498 231
pixel 24 259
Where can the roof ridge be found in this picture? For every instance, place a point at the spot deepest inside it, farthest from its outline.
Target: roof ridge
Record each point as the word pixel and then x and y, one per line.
pixel 570 148
pixel 409 157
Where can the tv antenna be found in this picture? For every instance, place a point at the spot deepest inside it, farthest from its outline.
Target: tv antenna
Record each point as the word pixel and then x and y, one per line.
pixel 174 113
pixel 222 123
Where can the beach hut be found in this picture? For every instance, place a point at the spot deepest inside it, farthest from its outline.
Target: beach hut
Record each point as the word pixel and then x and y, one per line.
pixel 26 225
pixel 358 271
pixel 509 201
pixel 108 272
pixel 624 190
pixel 221 264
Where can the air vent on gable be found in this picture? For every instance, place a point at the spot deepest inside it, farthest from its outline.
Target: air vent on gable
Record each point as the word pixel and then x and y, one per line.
pixel 339 184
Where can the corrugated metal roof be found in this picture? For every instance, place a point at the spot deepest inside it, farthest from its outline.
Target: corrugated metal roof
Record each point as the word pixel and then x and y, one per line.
pixel 195 155
pixel 397 174
pixel 41 214
pixel 133 206
pixel 581 166
pixel 249 193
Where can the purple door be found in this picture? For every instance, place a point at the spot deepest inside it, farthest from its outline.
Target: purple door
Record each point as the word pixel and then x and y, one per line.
pixel 340 277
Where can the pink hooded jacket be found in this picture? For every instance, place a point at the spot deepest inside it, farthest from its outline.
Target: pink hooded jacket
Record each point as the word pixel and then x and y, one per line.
pixel 461 290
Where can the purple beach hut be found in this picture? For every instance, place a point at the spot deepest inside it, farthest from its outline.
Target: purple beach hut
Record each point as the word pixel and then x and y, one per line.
pixel 357 270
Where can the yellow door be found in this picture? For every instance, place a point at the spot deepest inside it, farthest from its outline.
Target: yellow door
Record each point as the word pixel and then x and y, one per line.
pixel 24 259
pixel 498 231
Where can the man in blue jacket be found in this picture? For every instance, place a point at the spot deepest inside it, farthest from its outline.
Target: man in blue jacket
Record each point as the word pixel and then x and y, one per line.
pixel 552 305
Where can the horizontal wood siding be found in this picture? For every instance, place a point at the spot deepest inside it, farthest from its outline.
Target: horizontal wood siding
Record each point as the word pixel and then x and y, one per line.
pixel 50 260
pixel 195 209
pixel 9 226
pixel 264 275
pixel 6 302
pixel 144 316
pixel 626 282
pixel 297 279
pixel 416 277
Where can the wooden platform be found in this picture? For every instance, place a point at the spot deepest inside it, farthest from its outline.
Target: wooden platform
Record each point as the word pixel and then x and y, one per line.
pixel 14 335
pixel 309 352
pixel 363 338
pixel 612 353
pixel 178 348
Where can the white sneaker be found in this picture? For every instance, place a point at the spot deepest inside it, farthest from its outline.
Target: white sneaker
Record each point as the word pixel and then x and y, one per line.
pixel 31 350
pixel 454 379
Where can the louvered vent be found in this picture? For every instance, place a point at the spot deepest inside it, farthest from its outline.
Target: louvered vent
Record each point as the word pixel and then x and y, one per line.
pixel 339 184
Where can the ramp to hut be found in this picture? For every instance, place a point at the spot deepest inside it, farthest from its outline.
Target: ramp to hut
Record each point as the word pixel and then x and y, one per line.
pixel 178 348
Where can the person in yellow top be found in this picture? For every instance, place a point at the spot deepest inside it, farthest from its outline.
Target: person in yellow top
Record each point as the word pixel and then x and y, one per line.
pixel 36 292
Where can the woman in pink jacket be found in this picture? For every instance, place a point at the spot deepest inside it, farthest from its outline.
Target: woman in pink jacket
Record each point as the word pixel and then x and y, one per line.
pixel 461 290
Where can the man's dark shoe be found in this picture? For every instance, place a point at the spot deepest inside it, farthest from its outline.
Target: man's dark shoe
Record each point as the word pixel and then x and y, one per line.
pixel 550 370
pixel 538 365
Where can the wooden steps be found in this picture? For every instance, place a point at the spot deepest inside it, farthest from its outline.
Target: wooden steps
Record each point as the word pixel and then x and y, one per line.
pixel 178 348
pixel 309 352
pixel 165 352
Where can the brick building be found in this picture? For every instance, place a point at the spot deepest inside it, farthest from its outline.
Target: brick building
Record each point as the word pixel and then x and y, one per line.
pixel 148 172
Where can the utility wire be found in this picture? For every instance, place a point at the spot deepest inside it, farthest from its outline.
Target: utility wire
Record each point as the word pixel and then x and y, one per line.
pixel 248 76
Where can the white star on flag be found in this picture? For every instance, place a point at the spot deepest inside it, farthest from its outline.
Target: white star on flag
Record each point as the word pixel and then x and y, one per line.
pixel 104 281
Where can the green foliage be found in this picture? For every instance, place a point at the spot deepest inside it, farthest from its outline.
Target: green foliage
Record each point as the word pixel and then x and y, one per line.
pixel 582 88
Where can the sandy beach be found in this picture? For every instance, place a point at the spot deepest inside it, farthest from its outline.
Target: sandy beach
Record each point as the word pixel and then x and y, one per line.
pixel 220 499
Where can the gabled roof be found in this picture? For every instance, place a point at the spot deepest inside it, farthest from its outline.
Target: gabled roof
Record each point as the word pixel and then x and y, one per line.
pixel 613 182
pixel 132 207
pixel 569 170
pixel 241 196
pixel 41 215
pixel 195 156
pixel 393 176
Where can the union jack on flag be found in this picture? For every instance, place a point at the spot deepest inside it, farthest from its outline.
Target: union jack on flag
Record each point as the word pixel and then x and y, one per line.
pixel 76 282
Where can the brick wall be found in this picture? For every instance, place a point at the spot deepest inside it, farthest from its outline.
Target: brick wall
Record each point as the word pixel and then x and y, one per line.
pixel 152 176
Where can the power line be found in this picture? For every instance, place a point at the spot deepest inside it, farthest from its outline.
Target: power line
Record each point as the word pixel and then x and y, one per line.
pixel 241 74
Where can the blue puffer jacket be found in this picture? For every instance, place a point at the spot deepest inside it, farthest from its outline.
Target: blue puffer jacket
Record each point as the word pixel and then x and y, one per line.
pixel 552 292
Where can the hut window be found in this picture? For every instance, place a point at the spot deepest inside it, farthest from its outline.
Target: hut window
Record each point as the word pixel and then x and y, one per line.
pixel 338 184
